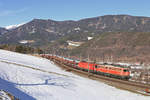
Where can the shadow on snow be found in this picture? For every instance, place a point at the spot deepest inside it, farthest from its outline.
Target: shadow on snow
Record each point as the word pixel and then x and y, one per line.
pixel 62 84
pixel 11 88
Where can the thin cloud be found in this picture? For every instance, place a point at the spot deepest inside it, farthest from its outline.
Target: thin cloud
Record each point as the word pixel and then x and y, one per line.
pixel 12 12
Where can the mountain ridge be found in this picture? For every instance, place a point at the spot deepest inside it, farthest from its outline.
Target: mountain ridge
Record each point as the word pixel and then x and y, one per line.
pixel 43 32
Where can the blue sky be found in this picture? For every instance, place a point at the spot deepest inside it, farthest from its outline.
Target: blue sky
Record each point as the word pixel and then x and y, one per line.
pixel 20 11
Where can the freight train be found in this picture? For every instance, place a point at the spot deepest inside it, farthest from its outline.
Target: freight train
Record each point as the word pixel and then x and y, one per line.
pixel 100 69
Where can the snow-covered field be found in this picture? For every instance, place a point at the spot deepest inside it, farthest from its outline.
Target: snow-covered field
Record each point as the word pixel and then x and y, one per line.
pixel 4 95
pixel 33 78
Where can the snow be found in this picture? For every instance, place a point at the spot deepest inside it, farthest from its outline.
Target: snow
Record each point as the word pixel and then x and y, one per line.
pixel 33 78
pixel 77 29
pixel 13 26
pixel 4 96
pixel 23 41
pixel 89 38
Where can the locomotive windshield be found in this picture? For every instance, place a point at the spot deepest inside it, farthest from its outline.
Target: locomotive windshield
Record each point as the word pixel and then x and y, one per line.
pixel 126 70
pixel 95 66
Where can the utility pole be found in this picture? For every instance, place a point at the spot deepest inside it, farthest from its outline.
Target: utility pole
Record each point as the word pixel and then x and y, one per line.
pixel 88 64
pixel 103 57
pixel 148 80
pixel 80 57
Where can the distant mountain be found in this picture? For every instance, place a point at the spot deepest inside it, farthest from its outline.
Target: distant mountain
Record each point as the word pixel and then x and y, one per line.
pixel 40 32
pixel 13 26
pixel 3 30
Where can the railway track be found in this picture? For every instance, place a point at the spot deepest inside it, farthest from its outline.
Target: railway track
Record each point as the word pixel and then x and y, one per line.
pixel 121 84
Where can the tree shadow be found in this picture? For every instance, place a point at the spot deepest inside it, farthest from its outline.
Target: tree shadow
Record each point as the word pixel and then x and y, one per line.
pixel 11 88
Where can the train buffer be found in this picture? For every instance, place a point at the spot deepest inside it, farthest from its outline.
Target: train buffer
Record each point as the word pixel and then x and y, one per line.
pixel 147 90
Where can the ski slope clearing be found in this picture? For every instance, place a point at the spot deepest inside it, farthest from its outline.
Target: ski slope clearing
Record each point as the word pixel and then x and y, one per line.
pixel 33 78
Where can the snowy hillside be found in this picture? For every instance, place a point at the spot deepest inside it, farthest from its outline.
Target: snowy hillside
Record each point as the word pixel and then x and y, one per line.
pixel 33 78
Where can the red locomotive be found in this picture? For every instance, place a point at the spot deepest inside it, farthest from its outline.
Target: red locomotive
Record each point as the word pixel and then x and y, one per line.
pixel 107 70
pixel 87 66
pixel 114 71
